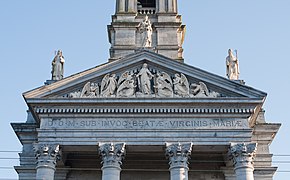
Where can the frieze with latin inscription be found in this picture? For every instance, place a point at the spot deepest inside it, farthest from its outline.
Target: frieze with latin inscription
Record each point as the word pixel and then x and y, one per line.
pixel 143 123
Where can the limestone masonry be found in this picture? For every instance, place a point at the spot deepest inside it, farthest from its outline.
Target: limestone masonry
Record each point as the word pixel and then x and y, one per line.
pixel 145 114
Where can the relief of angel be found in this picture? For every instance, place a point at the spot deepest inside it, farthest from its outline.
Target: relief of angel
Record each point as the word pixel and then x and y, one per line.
pixel 181 86
pixel 163 85
pixel 108 85
pixel 144 77
pixel 90 90
pixel 201 90
pixel 126 89
pixel 126 85
pixel 125 76
pixel 75 94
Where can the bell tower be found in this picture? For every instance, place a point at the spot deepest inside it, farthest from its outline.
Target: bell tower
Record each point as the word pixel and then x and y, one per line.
pixel 146 24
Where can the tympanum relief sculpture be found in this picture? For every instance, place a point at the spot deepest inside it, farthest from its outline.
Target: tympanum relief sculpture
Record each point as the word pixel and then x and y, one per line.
pixel 181 85
pixel 144 83
pixel 126 85
pixel 163 85
pixel 109 85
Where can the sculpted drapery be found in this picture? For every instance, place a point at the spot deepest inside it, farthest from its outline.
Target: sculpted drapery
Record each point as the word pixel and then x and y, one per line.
pixel 57 66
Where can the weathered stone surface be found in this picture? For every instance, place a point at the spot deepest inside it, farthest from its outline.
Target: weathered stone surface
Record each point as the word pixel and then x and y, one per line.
pixel 143 123
pixel 144 97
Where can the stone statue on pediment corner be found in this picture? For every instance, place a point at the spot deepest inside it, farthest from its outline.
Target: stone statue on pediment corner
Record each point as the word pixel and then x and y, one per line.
pixel 232 65
pixel 57 66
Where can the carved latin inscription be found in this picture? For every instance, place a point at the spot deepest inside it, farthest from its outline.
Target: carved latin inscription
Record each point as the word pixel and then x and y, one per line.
pixel 143 123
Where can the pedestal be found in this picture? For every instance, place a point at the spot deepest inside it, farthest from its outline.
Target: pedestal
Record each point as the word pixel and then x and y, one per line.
pixel 242 156
pixel 178 155
pixel 112 156
pixel 46 155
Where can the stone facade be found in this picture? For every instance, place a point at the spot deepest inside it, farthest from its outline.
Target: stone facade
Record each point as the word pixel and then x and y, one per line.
pixel 144 114
pixel 167 29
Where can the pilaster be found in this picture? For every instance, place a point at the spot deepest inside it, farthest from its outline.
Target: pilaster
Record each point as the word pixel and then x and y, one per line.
pixel 120 6
pixel 161 6
pixel 112 156
pixel 178 155
pixel 47 156
pixel 132 6
pixel 242 156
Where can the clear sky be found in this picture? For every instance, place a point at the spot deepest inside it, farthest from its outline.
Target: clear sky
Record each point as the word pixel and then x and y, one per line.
pixel 31 30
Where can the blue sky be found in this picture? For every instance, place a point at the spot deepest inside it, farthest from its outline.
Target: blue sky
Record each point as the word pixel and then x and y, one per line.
pixel 31 30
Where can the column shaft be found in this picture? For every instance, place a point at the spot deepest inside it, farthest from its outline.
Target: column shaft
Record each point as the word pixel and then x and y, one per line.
pixel 45 173
pixel 244 174
pixel 111 173
pixel 179 173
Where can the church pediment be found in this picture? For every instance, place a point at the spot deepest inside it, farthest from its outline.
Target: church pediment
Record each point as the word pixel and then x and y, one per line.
pixel 144 74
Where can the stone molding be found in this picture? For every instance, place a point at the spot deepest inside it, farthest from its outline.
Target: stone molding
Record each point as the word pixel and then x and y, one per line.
pixel 112 154
pixel 47 155
pixel 178 154
pixel 144 110
pixel 242 155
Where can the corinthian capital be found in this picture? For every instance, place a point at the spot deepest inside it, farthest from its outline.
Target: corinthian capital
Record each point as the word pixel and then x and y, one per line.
pixel 178 154
pixel 47 154
pixel 112 154
pixel 242 154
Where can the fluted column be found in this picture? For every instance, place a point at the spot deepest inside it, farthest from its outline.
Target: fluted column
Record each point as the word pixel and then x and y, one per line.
pixel 112 156
pixel 178 155
pixel 242 156
pixel 46 155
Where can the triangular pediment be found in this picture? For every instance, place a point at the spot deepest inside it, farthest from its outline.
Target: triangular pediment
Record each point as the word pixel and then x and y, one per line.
pixel 200 83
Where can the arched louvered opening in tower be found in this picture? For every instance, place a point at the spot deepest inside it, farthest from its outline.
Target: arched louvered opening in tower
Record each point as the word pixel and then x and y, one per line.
pixel 146 6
